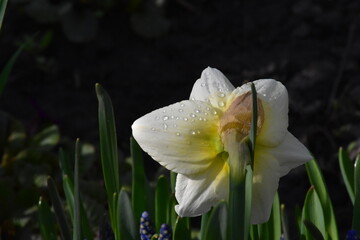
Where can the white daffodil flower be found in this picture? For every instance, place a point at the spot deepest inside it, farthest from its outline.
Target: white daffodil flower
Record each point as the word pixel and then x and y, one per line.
pixel 196 137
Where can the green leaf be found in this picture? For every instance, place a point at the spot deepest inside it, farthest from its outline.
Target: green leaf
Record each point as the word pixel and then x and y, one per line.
pixel 240 207
pixel 3 4
pixel 172 215
pixel 59 210
pixel 139 196
pixel 217 223
pixel 161 201
pixel 125 218
pixel 77 217
pixel 284 223
pixel 204 222
pixel 173 176
pixel 46 221
pixel 272 228
pixel 356 211
pixel 313 212
pixel 5 73
pixel 347 171
pixel 317 180
pixel 253 129
pixel 182 229
pixel 313 231
pixel 298 217
pixel 108 147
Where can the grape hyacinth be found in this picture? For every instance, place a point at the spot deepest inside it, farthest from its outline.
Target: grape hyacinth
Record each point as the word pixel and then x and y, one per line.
pixel 352 235
pixel 165 232
pixel 146 230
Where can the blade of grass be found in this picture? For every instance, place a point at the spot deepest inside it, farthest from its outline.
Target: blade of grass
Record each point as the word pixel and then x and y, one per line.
pixel 317 180
pixel 215 228
pixel 76 222
pixel 313 212
pixel 161 201
pixel 59 210
pixel 347 172
pixel 284 223
pixel 125 218
pixel 182 229
pixel 356 211
pixel 139 181
pixel 46 221
pixel 108 147
pixel 313 231
pixel 3 4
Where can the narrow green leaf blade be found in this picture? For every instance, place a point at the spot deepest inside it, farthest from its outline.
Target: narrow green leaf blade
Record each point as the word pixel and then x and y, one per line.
pixel 5 73
pixel 108 147
pixel 182 229
pixel 272 229
pixel 254 119
pixel 3 4
pixel 59 210
pixel 356 211
pixel 313 231
pixel 347 172
pixel 125 217
pixel 139 196
pixel 317 180
pixel 204 222
pixel 313 212
pixel 284 223
pixel 76 222
pixel 46 220
pixel 161 201
pixel 240 207
pixel 217 223
pixel 173 176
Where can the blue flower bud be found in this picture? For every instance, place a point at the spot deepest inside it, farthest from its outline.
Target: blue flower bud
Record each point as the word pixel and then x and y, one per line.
pixel 352 235
pixel 165 232
pixel 146 230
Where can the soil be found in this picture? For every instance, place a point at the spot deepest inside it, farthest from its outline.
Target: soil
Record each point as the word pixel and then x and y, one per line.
pixel 311 46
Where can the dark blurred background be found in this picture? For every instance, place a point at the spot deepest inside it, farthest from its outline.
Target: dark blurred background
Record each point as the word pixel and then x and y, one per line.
pixel 148 53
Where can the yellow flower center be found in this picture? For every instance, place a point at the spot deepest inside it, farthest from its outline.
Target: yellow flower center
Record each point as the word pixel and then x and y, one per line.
pixel 238 118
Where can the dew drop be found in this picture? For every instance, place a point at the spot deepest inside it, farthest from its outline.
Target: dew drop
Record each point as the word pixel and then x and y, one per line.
pixel 175 126
pixel 220 94
pixel 172 117
pixel 206 113
pixel 207 108
pixel 157 118
pixel 203 84
pixel 192 99
pixel 215 112
pixel 182 105
pixel 177 118
pixel 164 111
pixel 165 126
pixel 185 118
pixel 197 111
pixel 221 104
pixel 205 120
pixel 193 132
pixel 165 118
pixel 181 110
pixel 152 129
pixel 192 115
pixel 200 119
pixel 178 134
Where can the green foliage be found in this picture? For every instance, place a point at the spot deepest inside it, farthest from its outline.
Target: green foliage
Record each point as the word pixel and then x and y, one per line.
pixel 3 4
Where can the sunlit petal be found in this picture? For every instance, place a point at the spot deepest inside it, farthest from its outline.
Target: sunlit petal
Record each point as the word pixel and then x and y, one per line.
pixel 182 137
pixel 265 183
pixel 274 99
pixel 212 87
pixel 196 194
pixel 290 154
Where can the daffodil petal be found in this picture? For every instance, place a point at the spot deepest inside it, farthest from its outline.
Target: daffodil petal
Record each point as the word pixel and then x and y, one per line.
pixel 183 137
pixel 274 99
pixel 290 154
pixel 265 183
pixel 212 87
pixel 196 194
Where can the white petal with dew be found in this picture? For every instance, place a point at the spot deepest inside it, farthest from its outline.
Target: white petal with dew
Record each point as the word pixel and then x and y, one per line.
pixel 196 194
pixel 274 99
pixel 182 137
pixel 265 184
pixel 212 87
pixel 290 154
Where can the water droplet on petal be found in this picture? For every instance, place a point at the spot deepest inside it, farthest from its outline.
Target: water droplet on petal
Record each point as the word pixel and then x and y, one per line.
pixel 197 111
pixel 172 117
pixel 177 118
pixel 181 110
pixel 192 115
pixel 203 84
pixel 206 113
pixel 214 112
pixel 220 94
pixel 221 103
pixel 165 118
pixel 207 108
pixel 178 134
pixel 175 125
pixel 157 118
pixel 182 105
pixel 193 132
pixel 153 129
pixel 200 119
pixel 185 118
pixel 192 99
pixel 165 126
pixel 205 119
